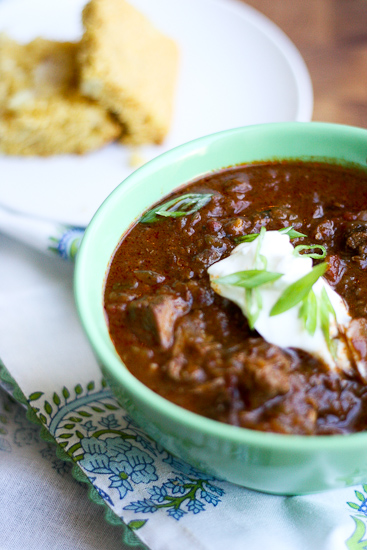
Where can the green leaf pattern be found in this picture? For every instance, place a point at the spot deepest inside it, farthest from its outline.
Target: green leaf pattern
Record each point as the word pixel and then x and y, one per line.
pixel 95 436
pixel 358 540
pixel 117 456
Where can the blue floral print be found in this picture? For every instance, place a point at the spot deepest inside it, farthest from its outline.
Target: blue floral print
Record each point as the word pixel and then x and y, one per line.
pixel 109 422
pixel 122 463
pixel 118 457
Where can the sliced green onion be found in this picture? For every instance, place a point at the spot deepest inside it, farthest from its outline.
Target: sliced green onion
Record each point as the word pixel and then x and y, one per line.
pixel 259 257
pixel 253 303
pixel 313 255
pixel 308 312
pixel 249 279
pixel 292 234
pixel 264 260
pixel 326 309
pixel 247 238
pixel 298 290
pixel 178 207
pixel 325 300
pixel 259 302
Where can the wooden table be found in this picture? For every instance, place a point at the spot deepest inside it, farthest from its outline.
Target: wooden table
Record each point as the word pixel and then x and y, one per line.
pixel 331 35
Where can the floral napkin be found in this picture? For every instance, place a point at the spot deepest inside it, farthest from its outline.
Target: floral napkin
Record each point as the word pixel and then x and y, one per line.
pixel 162 502
pixel 42 505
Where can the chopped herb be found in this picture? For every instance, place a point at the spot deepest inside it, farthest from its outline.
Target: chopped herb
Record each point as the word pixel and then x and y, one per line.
pixel 292 234
pixel 178 207
pixel 249 279
pixel 297 291
pixel 247 238
pixel 326 309
pixel 253 303
pixel 260 257
pixel 308 312
pixel 313 255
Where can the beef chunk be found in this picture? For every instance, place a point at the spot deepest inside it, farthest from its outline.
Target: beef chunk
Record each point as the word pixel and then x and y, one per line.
pixel 362 216
pixel 207 257
pixel 336 269
pixel 236 226
pixel 356 242
pixel 325 231
pixel 200 294
pixel 152 318
pixel 191 337
pixel 356 237
pixel 149 277
pixel 193 350
pixel 264 371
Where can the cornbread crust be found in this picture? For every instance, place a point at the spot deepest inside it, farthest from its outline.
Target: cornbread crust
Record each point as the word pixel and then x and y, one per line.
pixel 130 68
pixel 41 109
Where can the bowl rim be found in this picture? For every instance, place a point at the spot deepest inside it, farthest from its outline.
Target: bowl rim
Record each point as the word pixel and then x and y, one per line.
pixel 114 365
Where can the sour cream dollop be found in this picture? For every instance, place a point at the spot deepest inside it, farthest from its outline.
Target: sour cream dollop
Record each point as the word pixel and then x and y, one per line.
pixel 287 329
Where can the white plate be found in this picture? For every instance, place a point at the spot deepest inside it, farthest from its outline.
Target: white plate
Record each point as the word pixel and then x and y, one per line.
pixel 237 68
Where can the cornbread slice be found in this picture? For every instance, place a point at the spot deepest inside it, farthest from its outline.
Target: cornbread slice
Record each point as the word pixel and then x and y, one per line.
pixel 129 67
pixel 41 109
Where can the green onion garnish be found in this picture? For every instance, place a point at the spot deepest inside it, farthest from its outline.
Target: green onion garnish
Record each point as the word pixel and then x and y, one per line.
pixel 313 255
pixel 325 310
pixel 247 238
pixel 292 233
pixel 178 207
pixel 249 279
pixel 260 257
pixel 313 310
pixel 308 312
pixel 253 301
pixel 297 291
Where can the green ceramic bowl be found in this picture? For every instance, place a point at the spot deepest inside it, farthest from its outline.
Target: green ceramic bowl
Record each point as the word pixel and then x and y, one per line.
pixel 281 464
